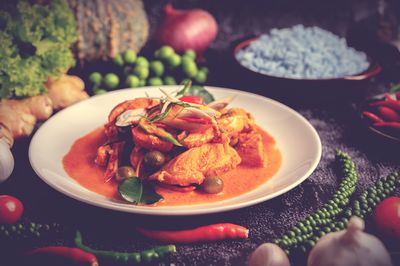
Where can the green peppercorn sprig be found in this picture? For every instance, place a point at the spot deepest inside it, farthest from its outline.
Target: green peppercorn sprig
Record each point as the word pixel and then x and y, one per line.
pixel 27 230
pixel 164 68
pixel 304 229
pixel 303 236
pixel 137 257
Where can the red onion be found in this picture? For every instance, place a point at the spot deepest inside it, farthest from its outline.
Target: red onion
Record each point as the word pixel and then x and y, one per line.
pixel 187 29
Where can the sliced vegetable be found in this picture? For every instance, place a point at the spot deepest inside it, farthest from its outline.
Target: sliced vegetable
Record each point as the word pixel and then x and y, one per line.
pixel 130 117
pixel 75 255
pixel 133 190
pixel 159 132
pixel 192 99
pixel 137 257
pixel 11 209
pixel 211 232
pixel 387 216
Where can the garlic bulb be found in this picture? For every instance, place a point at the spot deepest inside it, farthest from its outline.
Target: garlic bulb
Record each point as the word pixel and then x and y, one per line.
pixel 268 254
pixel 6 160
pixel 350 247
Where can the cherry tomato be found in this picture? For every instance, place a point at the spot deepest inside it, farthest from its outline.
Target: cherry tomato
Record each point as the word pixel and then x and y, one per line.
pixel 192 99
pixel 387 216
pixel 11 209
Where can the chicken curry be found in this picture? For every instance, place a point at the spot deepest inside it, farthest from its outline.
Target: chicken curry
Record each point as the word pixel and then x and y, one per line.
pixel 188 151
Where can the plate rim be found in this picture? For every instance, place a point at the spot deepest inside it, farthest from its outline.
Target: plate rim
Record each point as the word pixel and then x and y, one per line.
pixel 154 211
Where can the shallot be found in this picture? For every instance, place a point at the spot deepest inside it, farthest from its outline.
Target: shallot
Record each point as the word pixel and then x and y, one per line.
pixel 6 160
pixel 187 29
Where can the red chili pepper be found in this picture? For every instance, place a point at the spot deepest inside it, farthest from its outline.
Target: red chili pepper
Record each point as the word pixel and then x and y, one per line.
pixel 211 232
pixel 74 254
pixel 388 113
pixel 392 124
pixel 393 104
pixel 192 99
pixel 373 117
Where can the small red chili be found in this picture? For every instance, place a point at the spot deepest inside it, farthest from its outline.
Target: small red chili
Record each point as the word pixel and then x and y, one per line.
pixel 372 116
pixel 74 254
pixel 192 99
pixel 395 125
pixel 388 113
pixel 211 232
pixel 393 104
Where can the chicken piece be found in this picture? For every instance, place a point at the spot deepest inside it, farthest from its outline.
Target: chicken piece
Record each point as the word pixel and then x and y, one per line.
pixel 251 149
pixel 196 139
pixel 192 166
pixel 234 121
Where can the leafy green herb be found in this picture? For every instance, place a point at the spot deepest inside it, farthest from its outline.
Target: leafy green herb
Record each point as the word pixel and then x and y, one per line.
pixel 202 92
pixel 186 87
pixel 395 88
pixel 134 191
pixel 36 44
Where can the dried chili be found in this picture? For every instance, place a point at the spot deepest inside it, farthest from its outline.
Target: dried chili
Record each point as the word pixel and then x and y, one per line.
pixel 388 114
pixel 211 232
pixel 372 116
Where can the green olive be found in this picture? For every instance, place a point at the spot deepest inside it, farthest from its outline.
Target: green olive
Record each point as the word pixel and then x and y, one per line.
pixel 124 172
pixel 174 60
pixel 155 81
pixel 111 80
pixel 118 60
pixel 190 53
pixel 95 78
pixel 189 67
pixel 99 91
pixel 154 159
pixel 142 61
pixel 212 184
pixel 201 77
pixel 132 81
pixel 157 68
pixel 165 52
pixel 141 71
pixel 169 80
pixel 130 56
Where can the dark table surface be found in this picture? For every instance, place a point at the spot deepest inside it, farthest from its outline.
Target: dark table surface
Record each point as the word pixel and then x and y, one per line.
pixel 338 126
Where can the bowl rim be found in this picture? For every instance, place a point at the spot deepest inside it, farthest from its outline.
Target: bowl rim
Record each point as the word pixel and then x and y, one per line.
pixel 373 70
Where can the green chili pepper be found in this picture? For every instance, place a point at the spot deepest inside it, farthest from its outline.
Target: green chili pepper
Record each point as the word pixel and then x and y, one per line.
pixel 159 132
pixel 146 255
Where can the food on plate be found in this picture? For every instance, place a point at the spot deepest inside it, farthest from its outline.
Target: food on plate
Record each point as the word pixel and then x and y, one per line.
pixel 187 29
pixel 11 209
pixel 350 246
pixel 149 255
pixel 387 217
pixel 153 147
pixel 302 52
pixel 335 214
pixel 205 233
pixel 268 254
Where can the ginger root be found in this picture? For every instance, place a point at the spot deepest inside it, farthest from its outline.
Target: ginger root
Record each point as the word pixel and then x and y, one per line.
pixel 65 91
pixel 18 117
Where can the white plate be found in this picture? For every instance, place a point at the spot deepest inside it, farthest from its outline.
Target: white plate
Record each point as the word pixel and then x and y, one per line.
pixel 297 140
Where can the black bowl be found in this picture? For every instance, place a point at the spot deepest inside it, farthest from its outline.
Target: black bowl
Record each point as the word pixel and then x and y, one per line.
pixel 303 89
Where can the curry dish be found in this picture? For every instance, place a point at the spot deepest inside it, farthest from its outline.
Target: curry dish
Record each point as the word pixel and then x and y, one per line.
pixel 190 152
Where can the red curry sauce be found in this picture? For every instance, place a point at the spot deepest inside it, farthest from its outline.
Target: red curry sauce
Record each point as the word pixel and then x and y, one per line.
pixel 79 164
